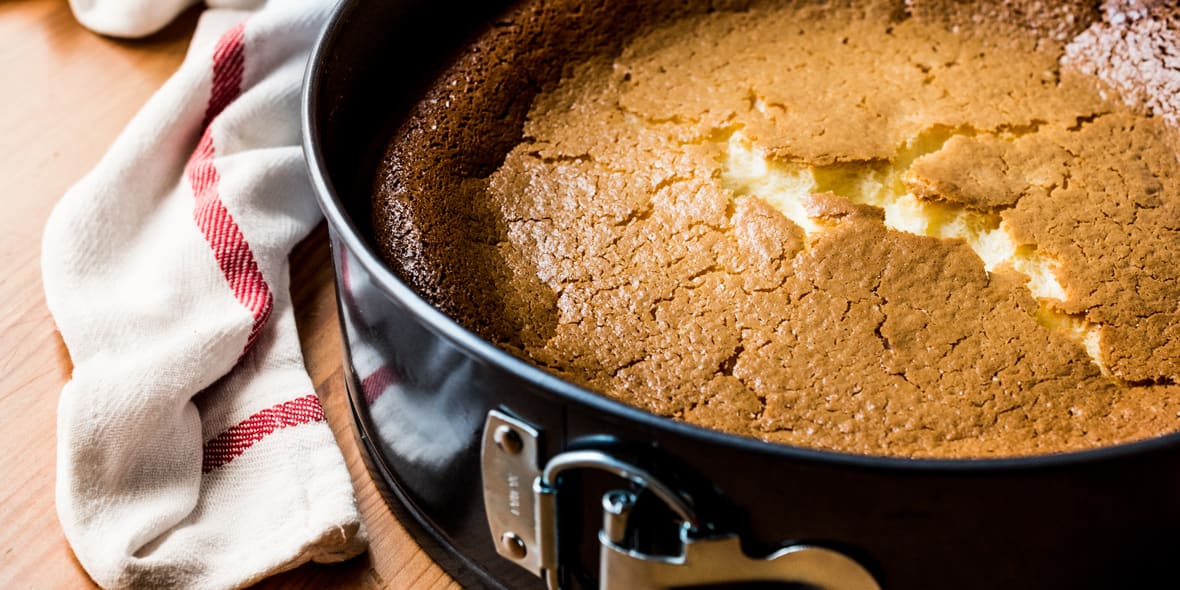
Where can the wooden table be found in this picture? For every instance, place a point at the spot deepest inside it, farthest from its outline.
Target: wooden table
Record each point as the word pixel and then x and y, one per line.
pixel 65 93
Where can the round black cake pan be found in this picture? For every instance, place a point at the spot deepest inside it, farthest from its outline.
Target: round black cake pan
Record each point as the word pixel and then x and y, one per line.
pixel 422 387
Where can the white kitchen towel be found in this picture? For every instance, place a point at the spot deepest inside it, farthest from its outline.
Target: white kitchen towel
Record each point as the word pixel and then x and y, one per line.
pixel 192 450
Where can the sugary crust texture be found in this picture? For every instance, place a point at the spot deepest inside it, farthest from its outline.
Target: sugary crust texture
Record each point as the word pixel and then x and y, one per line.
pixel 1133 49
pixel 618 259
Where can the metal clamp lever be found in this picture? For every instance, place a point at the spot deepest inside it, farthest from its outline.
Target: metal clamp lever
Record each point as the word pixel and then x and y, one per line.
pixel 546 490
pixel 715 560
pixel 521 503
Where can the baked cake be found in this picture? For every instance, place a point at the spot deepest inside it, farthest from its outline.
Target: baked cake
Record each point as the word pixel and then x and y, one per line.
pixel 921 229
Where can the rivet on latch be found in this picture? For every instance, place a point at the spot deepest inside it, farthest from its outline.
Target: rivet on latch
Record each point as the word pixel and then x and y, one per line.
pixel 616 510
pixel 508 440
pixel 513 545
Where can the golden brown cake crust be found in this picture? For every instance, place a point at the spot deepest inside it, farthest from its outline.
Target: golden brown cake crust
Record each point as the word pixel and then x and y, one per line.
pixel 620 256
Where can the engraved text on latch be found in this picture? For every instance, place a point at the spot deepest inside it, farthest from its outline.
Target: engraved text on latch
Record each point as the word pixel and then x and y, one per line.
pixel 514 495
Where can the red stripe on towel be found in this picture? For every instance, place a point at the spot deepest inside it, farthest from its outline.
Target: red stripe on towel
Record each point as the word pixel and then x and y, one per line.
pixel 229 62
pixel 236 439
pixel 229 246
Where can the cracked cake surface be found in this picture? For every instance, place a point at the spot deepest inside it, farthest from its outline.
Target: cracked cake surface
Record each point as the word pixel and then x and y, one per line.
pixel 886 228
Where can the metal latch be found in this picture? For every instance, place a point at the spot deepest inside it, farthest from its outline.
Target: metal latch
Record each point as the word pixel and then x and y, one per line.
pixel 520 497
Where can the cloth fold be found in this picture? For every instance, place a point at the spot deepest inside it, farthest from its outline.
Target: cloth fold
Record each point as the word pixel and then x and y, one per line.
pixel 192 450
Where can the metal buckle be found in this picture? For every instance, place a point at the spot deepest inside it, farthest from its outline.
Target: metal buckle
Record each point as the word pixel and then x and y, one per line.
pixel 520 498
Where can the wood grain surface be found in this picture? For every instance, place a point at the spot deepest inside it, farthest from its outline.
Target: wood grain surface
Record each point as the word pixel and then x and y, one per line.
pixel 65 94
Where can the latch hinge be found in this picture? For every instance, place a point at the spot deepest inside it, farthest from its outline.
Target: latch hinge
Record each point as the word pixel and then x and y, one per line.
pixel 520 496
